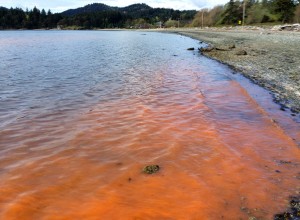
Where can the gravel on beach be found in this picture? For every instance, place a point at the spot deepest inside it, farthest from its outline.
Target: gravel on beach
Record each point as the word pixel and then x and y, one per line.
pixel 271 59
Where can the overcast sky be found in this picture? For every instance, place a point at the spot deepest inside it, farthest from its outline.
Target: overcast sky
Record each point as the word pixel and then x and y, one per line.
pixel 61 5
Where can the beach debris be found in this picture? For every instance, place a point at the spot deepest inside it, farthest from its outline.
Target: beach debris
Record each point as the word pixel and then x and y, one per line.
pixel 150 169
pixel 287 27
pixel 191 48
pixel 241 52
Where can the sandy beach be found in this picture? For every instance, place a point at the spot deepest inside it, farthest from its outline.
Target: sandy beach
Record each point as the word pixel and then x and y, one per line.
pixel 269 58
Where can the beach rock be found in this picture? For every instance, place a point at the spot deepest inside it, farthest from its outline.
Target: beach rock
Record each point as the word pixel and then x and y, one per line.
pixel 282 108
pixel 293 213
pixel 232 46
pixel 284 162
pixel 150 169
pixel 295 110
pixel 206 49
pixel 241 52
pixel 192 48
pixel 222 48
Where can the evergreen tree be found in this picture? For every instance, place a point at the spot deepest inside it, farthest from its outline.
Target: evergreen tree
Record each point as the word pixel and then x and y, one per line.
pixel 285 9
pixel 43 17
pixel 232 13
pixel 297 14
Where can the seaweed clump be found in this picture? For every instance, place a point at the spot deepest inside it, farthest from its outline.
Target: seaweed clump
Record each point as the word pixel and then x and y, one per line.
pixel 293 213
pixel 150 169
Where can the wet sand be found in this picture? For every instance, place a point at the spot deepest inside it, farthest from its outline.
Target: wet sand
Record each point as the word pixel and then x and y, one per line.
pixel 272 59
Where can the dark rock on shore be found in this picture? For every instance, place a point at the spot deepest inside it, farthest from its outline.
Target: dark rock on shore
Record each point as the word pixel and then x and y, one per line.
pixel 206 49
pixel 293 213
pixel 241 52
pixel 232 46
pixel 222 48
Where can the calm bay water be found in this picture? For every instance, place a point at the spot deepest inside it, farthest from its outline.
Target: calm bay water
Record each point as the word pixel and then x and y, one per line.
pixel 82 112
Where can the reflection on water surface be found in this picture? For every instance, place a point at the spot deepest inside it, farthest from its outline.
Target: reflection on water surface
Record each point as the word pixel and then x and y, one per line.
pixel 83 112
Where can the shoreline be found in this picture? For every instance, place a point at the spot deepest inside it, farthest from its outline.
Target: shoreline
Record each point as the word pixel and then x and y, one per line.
pixel 268 61
pixel 267 58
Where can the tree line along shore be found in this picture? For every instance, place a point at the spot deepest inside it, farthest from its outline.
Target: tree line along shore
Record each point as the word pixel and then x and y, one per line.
pixel 97 15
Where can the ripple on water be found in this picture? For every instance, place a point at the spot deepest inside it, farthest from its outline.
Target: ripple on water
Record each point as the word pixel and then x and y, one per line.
pixel 88 110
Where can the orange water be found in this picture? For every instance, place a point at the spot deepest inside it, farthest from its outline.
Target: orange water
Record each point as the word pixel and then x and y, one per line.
pixel 217 148
pixel 82 113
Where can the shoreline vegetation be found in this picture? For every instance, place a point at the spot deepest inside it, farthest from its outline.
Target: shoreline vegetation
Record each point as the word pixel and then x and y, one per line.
pixel 268 58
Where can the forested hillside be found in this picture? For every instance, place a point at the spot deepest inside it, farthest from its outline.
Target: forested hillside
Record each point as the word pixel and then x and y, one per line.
pixel 133 16
pixel 16 18
pixel 94 16
pixel 256 12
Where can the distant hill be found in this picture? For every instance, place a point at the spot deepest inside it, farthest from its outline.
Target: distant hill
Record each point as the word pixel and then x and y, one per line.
pixel 95 16
pixel 135 7
pixel 135 10
pixel 96 7
pixel 99 7
pixel 99 15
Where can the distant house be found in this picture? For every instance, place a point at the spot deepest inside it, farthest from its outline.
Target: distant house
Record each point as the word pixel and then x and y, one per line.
pixel 159 24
